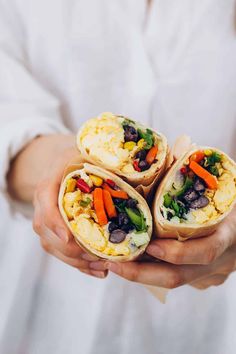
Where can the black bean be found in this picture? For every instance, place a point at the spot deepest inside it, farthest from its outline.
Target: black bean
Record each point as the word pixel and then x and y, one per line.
pixel 123 219
pixel 118 201
pixel 117 236
pixel 141 155
pixel 131 203
pixel 199 186
pixel 190 196
pixel 201 202
pixel 112 226
pixel 131 133
pixel 127 228
pixel 143 165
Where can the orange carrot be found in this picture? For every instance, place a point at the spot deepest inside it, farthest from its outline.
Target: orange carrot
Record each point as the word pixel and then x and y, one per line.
pixel 109 205
pixel 210 180
pixel 151 155
pixel 197 156
pixel 115 194
pixel 99 206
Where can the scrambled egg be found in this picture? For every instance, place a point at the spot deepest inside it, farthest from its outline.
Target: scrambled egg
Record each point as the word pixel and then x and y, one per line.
pixel 226 192
pixel 97 237
pixel 104 136
pixel 89 231
pixel 83 221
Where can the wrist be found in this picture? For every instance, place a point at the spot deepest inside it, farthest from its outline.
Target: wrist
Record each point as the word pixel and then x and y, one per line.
pixel 35 161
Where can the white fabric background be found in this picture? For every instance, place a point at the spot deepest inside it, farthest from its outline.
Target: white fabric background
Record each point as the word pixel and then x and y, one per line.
pixel 62 62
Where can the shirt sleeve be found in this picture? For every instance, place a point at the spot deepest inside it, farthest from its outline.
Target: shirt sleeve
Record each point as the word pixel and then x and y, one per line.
pixel 26 108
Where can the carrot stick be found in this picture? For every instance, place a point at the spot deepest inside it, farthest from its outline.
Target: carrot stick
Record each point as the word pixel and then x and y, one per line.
pixel 99 206
pixel 151 155
pixel 197 156
pixel 109 205
pixel 115 194
pixel 210 180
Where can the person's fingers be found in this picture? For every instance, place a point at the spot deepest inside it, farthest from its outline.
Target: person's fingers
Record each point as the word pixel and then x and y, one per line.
pixel 50 241
pixel 159 274
pixel 77 263
pixel 203 250
pixel 214 280
pixel 46 195
pixel 94 273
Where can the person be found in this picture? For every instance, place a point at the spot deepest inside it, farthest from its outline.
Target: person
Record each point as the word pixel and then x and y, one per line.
pixel 170 65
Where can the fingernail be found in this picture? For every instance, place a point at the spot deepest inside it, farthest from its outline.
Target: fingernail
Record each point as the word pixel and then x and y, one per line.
pixel 98 274
pixel 99 265
pixel 156 250
pixel 88 257
pixel 113 267
pixel 62 234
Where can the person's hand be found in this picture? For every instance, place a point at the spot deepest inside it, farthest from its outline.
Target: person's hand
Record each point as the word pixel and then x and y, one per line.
pixel 201 262
pixel 41 168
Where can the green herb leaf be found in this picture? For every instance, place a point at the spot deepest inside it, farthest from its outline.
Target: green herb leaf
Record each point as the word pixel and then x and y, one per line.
pixel 213 170
pixel 148 137
pixel 121 206
pixel 85 203
pixel 137 218
pixel 213 158
pixel 167 200
pixel 187 184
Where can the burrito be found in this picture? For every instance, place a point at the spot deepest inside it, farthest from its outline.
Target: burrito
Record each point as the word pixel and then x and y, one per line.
pixel 197 193
pixel 125 147
pixel 106 216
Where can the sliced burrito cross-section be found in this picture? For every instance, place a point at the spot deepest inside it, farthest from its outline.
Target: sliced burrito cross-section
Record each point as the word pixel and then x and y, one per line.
pixel 124 147
pixel 107 216
pixel 197 193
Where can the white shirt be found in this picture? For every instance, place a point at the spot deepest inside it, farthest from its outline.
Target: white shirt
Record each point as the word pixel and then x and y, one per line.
pixel 62 62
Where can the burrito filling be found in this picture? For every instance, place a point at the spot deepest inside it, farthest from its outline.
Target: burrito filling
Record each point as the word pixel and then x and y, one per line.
pixel 122 143
pixel 202 190
pixel 104 216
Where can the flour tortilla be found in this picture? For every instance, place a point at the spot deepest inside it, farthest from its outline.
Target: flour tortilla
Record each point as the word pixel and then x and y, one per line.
pixel 74 170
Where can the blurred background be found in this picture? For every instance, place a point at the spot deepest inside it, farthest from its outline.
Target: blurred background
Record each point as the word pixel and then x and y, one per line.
pixel 168 65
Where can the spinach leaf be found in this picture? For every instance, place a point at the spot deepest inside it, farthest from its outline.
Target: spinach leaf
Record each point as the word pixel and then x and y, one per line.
pixel 148 137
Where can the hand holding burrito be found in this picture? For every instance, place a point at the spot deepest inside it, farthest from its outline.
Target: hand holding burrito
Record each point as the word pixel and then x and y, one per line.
pixel 193 200
pixel 201 262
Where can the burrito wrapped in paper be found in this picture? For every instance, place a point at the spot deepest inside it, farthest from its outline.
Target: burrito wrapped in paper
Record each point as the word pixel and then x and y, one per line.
pixel 107 217
pixel 197 193
pixel 125 147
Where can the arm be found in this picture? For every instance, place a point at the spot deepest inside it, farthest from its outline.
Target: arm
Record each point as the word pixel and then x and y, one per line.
pixel 34 138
